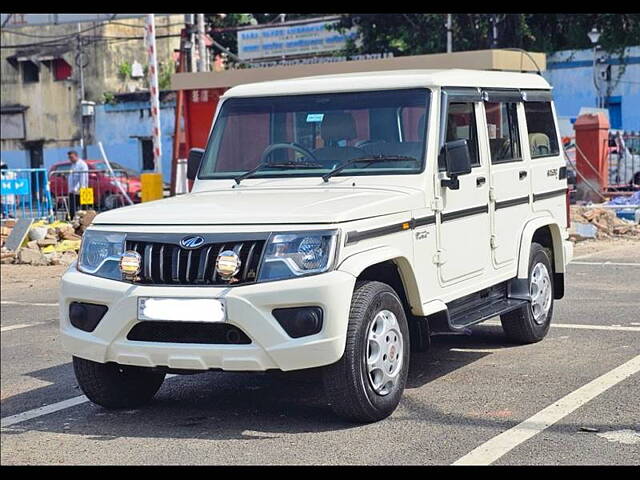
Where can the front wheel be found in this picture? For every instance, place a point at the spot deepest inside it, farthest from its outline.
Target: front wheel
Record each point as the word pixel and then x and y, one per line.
pixel 530 323
pixel 366 384
pixel 116 386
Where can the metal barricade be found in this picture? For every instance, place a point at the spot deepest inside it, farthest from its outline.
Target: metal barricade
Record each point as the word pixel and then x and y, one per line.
pixel 624 166
pixel 102 192
pixel 25 193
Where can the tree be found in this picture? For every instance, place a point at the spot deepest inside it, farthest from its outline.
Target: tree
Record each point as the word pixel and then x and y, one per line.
pixel 421 33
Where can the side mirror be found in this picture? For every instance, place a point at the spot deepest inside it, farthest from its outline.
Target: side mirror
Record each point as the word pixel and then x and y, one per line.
pixel 457 161
pixel 193 162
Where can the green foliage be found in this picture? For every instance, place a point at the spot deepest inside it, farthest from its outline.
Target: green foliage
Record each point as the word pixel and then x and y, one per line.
pixel 421 33
pixel 124 70
pixel 109 98
pixel 164 75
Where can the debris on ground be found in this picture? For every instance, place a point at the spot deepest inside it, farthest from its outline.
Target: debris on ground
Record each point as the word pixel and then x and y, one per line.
pixel 606 223
pixel 46 243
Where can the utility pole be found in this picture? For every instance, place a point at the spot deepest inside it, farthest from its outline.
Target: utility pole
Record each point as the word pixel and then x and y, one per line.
pixel 203 64
pixel 449 34
pixel 80 65
pixel 494 36
pixel 154 92
pixel 283 17
pixel 189 24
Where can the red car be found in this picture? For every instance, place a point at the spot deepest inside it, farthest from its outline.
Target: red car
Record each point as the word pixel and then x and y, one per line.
pixel 106 194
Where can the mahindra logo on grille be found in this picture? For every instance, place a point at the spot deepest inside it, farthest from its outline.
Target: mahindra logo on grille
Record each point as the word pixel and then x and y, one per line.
pixel 191 242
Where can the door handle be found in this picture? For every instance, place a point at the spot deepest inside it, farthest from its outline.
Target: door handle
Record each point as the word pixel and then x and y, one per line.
pixel 523 174
pixel 480 181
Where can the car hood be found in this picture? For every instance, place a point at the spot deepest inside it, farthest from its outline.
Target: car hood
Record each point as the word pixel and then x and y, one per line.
pixel 268 206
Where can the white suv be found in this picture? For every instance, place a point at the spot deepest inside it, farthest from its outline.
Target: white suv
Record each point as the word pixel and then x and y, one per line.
pixel 336 222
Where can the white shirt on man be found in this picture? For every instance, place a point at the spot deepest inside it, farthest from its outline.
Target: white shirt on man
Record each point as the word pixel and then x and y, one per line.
pixel 79 176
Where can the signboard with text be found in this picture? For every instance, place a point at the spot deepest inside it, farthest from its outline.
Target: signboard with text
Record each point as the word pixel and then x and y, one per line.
pixel 285 40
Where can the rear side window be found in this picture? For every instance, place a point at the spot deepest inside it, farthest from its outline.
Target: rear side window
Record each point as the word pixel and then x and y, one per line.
pixel 543 141
pixel 461 125
pixel 504 137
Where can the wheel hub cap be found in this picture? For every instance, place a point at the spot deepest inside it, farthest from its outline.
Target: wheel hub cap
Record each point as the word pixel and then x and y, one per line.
pixel 541 294
pixel 384 352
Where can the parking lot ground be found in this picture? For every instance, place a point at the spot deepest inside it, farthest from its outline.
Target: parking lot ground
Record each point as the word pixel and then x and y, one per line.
pixel 465 394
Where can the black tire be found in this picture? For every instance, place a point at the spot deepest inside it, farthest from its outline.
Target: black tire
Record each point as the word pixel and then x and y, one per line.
pixel 520 325
pixel 346 382
pixel 116 386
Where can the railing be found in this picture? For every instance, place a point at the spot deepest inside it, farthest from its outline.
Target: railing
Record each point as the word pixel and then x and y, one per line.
pixel 25 193
pixel 102 191
pixel 624 167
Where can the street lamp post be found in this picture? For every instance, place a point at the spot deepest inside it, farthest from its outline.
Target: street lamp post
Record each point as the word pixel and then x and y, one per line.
pixel 594 36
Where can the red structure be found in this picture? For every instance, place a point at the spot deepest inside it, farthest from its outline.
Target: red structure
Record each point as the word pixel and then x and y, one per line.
pixel 592 155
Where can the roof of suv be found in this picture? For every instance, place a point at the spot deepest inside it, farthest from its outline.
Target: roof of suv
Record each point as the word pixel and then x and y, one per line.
pixel 391 79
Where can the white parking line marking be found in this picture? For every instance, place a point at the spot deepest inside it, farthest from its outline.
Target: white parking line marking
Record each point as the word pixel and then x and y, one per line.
pixel 38 412
pixel 19 325
pixel 475 350
pixel 47 409
pixel 597 327
pixel 578 326
pixel 602 252
pixel 29 304
pixel 623 264
pixel 492 450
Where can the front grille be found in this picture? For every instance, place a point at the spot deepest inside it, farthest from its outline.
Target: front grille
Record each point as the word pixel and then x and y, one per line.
pixel 170 264
pixel 188 332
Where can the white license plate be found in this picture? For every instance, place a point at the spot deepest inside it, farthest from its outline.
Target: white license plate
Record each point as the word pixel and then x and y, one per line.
pixel 181 309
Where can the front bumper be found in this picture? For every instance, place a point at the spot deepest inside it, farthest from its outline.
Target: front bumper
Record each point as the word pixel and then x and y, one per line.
pixel 248 308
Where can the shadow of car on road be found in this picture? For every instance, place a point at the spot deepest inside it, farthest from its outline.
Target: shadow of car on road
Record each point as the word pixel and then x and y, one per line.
pixel 229 405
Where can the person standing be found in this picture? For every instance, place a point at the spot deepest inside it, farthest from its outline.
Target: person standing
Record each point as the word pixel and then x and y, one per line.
pixel 78 178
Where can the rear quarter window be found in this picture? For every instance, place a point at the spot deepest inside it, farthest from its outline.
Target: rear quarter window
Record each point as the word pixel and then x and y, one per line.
pixel 541 127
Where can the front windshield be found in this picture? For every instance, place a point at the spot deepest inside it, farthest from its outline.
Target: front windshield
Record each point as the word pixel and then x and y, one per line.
pixel 310 135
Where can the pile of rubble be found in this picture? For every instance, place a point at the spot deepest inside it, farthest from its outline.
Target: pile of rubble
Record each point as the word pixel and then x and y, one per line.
pixel 46 243
pixel 593 222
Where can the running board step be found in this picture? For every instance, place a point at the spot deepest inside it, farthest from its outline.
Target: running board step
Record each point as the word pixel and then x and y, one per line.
pixel 465 319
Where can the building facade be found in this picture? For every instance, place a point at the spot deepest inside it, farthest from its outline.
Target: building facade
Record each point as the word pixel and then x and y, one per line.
pixel 571 72
pixel 41 113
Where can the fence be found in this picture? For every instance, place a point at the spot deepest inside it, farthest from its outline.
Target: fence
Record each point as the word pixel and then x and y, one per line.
pixel 25 193
pixel 624 166
pixel 102 191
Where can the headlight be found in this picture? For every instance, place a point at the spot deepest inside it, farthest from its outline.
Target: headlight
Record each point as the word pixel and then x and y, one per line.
pixel 100 254
pixel 289 255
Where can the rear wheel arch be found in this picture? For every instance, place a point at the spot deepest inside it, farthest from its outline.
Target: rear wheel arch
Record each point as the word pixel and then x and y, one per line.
pixel 546 233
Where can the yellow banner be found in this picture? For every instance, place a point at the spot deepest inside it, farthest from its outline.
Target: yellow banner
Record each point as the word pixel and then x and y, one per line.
pixel 86 196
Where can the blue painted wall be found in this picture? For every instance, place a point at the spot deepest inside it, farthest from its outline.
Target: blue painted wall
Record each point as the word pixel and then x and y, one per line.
pixel 117 127
pixel 570 72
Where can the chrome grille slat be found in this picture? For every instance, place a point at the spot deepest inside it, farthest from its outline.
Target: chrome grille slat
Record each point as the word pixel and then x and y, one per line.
pixel 189 255
pixel 245 270
pixel 214 278
pixel 175 265
pixel 162 264
pixel 148 257
pixel 202 266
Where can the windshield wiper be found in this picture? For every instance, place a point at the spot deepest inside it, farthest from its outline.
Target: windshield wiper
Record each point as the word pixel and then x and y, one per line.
pixel 262 165
pixel 372 159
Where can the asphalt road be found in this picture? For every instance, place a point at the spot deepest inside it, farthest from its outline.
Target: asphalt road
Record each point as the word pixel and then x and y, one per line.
pixel 472 398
